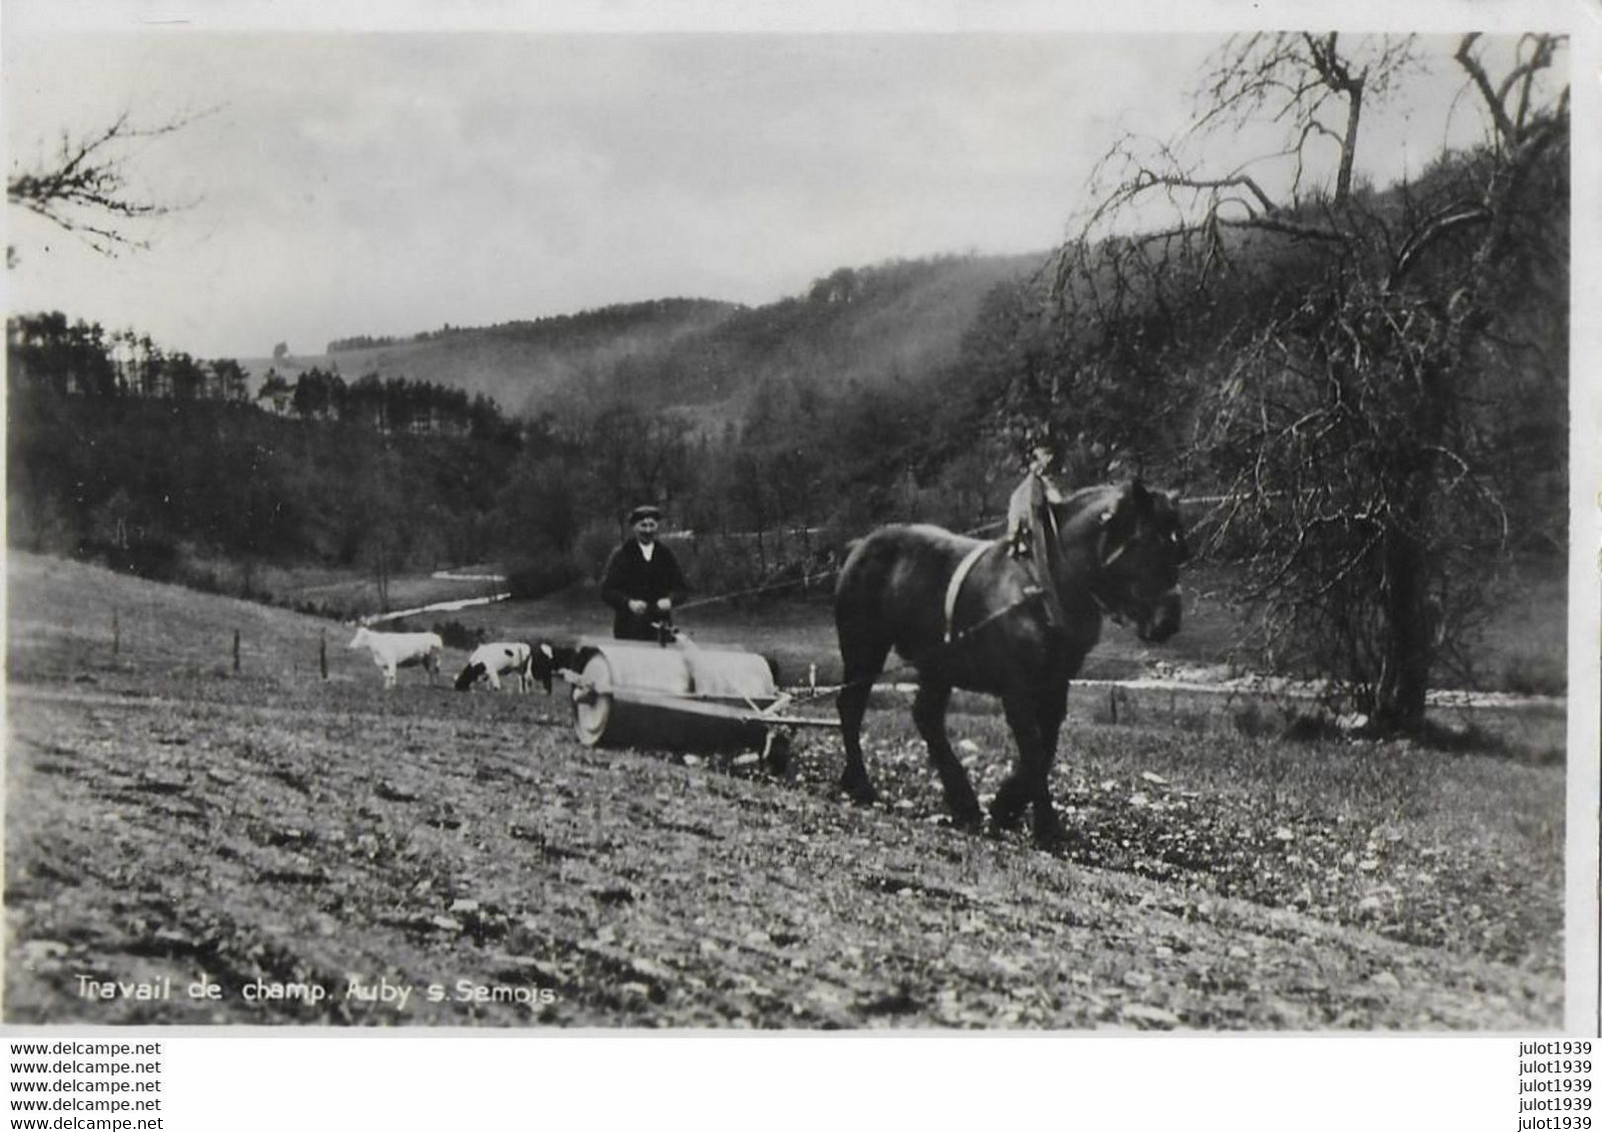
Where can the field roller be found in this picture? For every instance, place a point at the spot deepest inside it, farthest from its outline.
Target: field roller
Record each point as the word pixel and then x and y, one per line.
pixel 679 696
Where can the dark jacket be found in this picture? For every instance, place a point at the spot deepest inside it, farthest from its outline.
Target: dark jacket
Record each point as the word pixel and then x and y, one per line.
pixel 628 576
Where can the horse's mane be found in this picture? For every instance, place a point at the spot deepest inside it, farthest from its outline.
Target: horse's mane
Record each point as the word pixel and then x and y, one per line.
pixel 1085 497
pixel 1080 495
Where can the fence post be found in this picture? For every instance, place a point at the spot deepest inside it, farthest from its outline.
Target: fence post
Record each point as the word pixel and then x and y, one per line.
pixel 1112 701
pixel 116 632
pixel 236 652
pixel 322 652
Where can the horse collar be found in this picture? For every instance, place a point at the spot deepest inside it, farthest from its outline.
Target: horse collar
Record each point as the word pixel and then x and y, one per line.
pixel 954 587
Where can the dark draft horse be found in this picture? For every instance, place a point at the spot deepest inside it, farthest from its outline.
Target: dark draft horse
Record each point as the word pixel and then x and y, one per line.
pixel 1114 549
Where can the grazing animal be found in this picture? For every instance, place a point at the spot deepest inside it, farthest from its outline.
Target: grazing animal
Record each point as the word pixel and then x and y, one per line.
pixel 400 650
pixel 967 614
pixel 497 659
pixel 547 660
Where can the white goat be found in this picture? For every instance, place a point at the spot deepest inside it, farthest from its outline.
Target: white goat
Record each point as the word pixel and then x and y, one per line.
pixel 400 650
pixel 494 660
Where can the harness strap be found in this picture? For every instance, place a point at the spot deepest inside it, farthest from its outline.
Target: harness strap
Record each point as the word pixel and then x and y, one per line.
pixel 1101 545
pixel 954 587
pixel 1104 560
pixel 1103 606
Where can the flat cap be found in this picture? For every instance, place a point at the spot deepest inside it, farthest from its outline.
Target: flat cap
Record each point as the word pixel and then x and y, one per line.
pixel 644 512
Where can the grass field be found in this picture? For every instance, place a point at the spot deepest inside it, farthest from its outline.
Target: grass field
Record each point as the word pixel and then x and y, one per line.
pixel 169 815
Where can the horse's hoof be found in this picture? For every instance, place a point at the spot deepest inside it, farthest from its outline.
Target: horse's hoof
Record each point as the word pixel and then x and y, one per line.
pixel 1051 837
pixel 969 821
pixel 1005 819
pixel 1000 830
pixel 1054 844
pixel 862 793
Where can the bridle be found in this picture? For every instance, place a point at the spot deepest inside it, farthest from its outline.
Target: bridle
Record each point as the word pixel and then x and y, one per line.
pixel 1105 559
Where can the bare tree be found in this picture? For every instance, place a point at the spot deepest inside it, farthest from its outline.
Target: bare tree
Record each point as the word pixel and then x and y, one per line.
pixel 1358 341
pixel 84 186
pixel 1310 83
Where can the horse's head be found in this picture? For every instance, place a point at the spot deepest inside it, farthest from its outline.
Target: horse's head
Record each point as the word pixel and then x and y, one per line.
pixel 1139 546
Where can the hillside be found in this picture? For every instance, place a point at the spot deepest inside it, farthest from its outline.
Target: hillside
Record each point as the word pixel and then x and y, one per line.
pixel 870 327
pixel 873 324
pixel 517 363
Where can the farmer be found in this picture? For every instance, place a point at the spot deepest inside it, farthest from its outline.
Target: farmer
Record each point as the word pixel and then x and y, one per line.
pixel 1027 503
pixel 1028 530
pixel 641 580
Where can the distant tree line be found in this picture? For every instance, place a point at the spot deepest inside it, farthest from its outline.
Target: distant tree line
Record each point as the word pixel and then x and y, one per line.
pixel 602 324
pixel 385 405
pixel 606 323
pixel 361 342
pixel 46 350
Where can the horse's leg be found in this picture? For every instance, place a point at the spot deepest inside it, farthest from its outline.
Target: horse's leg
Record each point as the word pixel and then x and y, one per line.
pixel 863 661
pixel 1053 707
pixel 1017 789
pixel 1035 715
pixel 929 713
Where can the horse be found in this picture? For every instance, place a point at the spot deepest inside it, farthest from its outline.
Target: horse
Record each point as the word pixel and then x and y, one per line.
pixel 969 614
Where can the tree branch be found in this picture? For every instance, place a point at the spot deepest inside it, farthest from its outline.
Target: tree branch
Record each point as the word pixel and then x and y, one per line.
pixel 87 182
pixel 1447 220
pixel 1482 81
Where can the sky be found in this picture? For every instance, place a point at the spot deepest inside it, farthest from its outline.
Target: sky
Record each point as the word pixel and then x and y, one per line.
pixel 333 183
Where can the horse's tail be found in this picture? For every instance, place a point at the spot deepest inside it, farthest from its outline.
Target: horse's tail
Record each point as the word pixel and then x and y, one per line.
pixel 849 564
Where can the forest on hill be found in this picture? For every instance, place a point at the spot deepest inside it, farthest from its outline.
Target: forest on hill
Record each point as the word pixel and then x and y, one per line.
pixel 517 364
pixel 870 324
